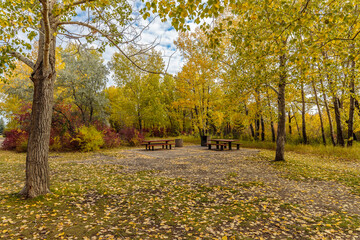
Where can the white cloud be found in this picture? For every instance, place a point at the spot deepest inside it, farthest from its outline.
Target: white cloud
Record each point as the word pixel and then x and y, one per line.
pixel 163 35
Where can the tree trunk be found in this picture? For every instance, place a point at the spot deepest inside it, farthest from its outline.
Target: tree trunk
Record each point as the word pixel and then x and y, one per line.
pixel 273 137
pixel 257 114
pixel 262 129
pixel 37 166
pixel 303 114
pixel 252 131
pixel 250 126
pixel 296 122
pixel 320 115
pixel 289 121
pixel 328 113
pixel 280 141
pixel 352 104
pixel 140 121
pixel 326 103
pixel 339 131
pixel 257 128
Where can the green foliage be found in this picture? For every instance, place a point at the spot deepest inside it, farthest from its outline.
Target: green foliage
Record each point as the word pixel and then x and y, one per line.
pixel 88 139
pixel 82 82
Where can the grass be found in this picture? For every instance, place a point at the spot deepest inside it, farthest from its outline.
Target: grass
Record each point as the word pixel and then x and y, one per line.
pixel 100 200
pixel 302 167
pixel 344 153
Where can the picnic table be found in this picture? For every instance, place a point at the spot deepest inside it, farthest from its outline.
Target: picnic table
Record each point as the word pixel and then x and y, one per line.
pixel 222 143
pixel 150 144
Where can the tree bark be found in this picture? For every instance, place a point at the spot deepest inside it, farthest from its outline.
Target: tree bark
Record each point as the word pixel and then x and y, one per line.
pixel 262 129
pixel 303 114
pixel 257 128
pixel 326 104
pixel 320 115
pixel 273 137
pixel 328 113
pixel 280 141
pixel 352 104
pixel 257 114
pixel 339 132
pixel 37 166
pixel 296 122
pixel 289 121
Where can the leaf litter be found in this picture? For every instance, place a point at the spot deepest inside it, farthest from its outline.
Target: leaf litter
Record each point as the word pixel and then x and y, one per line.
pixel 187 193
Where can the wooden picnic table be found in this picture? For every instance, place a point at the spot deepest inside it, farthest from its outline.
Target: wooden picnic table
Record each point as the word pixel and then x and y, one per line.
pixel 157 142
pixel 219 142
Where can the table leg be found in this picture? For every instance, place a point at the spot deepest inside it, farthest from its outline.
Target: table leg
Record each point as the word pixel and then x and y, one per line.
pixel 217 146
pixel 229 145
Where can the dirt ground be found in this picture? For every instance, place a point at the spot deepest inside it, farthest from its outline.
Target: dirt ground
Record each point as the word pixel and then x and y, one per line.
pixel 198 164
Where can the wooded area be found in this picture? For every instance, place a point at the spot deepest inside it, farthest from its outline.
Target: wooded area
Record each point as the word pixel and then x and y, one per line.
pixel 261 70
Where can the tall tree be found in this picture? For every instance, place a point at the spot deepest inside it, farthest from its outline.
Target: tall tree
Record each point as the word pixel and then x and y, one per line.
pixel 83 81
pixel 107 22
pixel 142 89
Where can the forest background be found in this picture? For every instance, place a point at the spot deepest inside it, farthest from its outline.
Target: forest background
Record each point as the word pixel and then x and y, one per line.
pixel 275 60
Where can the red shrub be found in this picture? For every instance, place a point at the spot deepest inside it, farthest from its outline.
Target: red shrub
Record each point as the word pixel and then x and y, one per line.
pixel 132 136
pixel 15 139
pixel 111 138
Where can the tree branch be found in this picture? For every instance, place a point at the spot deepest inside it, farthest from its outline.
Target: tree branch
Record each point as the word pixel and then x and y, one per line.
pixel 272 88
pixel 25 60
pixel 47 32
pixel 113 41
pixel 346 39
pixel 74 4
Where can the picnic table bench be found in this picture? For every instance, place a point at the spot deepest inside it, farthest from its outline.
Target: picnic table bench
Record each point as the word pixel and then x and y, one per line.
pixel 164 143
pixel 223 143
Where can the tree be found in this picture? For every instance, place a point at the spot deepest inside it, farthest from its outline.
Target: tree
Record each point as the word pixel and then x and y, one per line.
pixel 141 90
pixel 275 30
pixel 83 81
pixel 106 22
pixel 198 91
pixel 2 125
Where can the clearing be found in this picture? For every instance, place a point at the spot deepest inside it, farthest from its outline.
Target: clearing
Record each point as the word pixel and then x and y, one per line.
pixel 184 193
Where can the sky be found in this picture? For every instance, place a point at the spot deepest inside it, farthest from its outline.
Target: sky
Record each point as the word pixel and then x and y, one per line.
pixel 165 35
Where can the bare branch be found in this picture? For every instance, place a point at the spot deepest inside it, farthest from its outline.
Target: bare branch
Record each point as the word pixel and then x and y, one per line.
pixel 23 59
pixel 113 41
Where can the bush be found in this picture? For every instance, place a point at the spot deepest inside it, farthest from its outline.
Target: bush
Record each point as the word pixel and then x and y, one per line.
pixel 88 139
pixel 15 139
pixel 56 143
pixel 159 132
pixel 111 138
pixel 132 136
